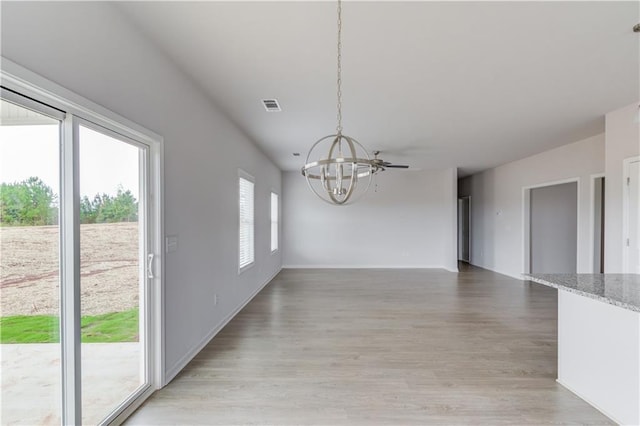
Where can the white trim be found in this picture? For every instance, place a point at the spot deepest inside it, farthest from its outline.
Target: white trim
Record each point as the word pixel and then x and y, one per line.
pixel 28 103
pixel 69 219
pixel 626 163
pixel 592 218
pixel 278 221
pixel 157 290
pixel 507 274
pixel 526 220
pixel 377 266
pixel 246 176
pixel 460 199
pixel 373 267
pixel 501 272
pixel 186 358
pixel 91 125
pixel 470 228
pixel 128 406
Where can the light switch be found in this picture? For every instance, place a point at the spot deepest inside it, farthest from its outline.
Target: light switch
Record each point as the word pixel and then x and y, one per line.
pixel 172 243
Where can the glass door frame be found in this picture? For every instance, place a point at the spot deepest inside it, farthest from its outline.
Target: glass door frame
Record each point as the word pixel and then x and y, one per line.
pixel 26 88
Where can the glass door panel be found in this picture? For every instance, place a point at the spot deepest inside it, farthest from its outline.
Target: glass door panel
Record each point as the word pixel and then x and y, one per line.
pixel 112 268
pixel 29 267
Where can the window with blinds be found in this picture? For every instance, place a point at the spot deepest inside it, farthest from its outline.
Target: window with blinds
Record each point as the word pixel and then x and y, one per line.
pixel 274 222
pixel 247 252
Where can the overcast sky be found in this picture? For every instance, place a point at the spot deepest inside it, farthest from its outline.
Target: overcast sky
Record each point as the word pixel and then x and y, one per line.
pixel 105 162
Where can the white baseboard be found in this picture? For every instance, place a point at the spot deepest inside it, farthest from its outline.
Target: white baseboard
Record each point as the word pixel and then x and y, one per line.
pixel 509 274
pixel 182 362
pixel 589 402
pixel 498 271
pixel 325 266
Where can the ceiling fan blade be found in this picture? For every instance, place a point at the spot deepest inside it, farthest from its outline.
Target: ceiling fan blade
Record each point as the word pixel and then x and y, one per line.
pixel 396 166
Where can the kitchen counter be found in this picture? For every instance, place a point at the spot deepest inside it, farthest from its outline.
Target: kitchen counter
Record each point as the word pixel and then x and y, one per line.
pixel 621 290
pixel 599 340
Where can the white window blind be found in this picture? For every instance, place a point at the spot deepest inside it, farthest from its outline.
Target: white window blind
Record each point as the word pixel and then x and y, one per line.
pixel 246 223
pixel 274 222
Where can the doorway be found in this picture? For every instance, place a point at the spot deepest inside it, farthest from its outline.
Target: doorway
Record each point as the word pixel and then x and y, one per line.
pixel 464 229
pixel 598 197
pixel 552 216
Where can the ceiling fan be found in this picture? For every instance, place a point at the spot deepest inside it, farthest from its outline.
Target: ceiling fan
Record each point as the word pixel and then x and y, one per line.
pixel 380 164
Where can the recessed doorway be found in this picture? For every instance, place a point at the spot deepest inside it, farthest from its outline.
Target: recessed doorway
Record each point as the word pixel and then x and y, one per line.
pixel 464 229
pixel 598 223
pixel 551 227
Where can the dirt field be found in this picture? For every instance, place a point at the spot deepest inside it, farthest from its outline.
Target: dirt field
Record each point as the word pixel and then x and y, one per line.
pixel 29 269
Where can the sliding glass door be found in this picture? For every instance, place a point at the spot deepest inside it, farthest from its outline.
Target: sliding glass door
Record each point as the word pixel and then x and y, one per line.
pixel 78 283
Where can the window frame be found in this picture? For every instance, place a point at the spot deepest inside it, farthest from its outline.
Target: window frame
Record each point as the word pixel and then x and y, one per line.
pixel 242 175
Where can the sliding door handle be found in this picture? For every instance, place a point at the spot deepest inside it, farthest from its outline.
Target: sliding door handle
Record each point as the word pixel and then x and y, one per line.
pixel 150 258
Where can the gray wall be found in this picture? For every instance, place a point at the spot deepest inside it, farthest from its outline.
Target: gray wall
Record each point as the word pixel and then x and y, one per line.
pixel 409 222
pixel 497 225
pixel 553 228
pixel 90 49
pixel 497 216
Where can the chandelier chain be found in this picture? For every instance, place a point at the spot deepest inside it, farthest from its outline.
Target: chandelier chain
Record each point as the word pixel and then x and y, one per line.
pixel 345 173
pixel 339 80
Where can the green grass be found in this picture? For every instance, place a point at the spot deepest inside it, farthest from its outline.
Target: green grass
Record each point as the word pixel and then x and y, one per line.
pixel 29 329
pixel 106 328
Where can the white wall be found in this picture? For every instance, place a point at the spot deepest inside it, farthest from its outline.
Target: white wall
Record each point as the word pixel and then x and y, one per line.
pixel 497 236
pixel 90 49
pixel 622 141
pixel 409 222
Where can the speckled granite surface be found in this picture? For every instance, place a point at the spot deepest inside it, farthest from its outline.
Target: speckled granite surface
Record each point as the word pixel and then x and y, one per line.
pixel 616 289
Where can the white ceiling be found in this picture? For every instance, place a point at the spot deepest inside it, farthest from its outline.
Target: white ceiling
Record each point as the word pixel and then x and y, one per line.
pixel 435 84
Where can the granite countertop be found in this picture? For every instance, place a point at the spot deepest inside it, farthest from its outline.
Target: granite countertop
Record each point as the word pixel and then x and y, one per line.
pixel 621 290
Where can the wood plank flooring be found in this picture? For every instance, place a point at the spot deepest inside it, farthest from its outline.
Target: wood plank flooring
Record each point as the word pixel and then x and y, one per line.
pixel 388 347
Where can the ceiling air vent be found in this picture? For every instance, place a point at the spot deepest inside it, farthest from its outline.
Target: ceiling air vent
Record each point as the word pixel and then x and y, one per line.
pixel 271 105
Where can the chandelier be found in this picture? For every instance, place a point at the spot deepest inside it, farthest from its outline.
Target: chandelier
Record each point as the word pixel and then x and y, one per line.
pixel 344 170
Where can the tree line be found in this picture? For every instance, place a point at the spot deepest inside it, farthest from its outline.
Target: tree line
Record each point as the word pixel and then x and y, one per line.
pixel 32 202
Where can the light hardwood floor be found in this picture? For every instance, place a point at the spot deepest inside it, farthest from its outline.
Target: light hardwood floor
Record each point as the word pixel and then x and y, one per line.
pixel 367 347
